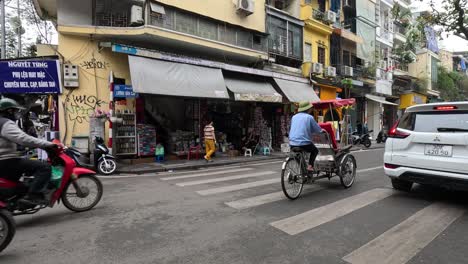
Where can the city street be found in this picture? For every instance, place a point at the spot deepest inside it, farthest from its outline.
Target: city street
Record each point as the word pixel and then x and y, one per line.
pixel 238 214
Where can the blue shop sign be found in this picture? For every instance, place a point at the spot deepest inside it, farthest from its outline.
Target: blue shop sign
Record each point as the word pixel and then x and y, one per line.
pixel 124 91
pixel 31 76
pixel 124 49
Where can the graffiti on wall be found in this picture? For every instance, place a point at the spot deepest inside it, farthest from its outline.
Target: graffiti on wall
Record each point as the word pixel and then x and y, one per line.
pixel 94 64
pixel 80 107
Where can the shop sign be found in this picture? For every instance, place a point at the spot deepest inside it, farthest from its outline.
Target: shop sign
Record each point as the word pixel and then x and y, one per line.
pixel 31 76
pixel 124 91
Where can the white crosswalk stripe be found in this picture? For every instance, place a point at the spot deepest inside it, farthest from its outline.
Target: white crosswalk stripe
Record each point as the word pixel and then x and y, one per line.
pixel 313 218
pixel 203 174
pixel 237 187
pixel 266 198
pixel 402 242
pixel 229 178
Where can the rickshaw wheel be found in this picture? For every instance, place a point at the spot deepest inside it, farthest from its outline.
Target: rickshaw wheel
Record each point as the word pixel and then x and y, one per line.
pixel 347 170
pixel 292 182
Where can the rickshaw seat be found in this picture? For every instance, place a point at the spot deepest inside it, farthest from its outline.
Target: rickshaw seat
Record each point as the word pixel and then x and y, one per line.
pixel 328 127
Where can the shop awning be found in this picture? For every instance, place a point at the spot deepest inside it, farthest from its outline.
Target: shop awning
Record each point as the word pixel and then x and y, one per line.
pixel 296 91
pixel 152 76
pixel 250 90
pixel 378 99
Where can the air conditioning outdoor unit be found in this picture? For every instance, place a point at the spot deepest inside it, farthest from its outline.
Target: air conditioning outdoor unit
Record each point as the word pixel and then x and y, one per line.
pixel 245 7
pixel 136 15
pixel 317 68
pixel 331 71
pixel 347 71
pixel 330 16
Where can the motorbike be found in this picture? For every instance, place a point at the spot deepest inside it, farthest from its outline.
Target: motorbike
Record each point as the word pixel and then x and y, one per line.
pixel 364 139
pixel 77 188
pixel 103 161
pixel 7 227
pixel 381 137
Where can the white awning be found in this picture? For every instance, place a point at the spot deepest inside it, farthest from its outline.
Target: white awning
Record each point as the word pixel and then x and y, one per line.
pixel 157 8
pixel 152 76
pixel 378 99
pixel 296 91
pixel 250 90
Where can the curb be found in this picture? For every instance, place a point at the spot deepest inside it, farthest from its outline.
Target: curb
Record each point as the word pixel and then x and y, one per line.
pixel 215 164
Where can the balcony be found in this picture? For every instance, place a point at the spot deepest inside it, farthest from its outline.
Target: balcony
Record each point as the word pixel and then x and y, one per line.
pixel 400 32
pixel 384 35
pixel 115 14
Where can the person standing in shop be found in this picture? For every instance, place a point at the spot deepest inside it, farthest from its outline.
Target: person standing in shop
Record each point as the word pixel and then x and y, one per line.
pixel 210 141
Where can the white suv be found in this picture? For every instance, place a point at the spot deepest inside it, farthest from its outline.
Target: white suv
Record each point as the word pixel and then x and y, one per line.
pixel 429 145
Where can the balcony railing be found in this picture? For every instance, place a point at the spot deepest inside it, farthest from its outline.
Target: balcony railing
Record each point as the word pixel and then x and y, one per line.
pixel 401 67
pixel 108 19
pixel 318 15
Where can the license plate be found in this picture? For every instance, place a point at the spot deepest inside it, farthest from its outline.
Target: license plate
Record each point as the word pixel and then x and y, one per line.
pixel 438 150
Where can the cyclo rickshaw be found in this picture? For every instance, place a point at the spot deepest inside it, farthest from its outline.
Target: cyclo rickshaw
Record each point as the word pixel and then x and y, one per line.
pixel 332 160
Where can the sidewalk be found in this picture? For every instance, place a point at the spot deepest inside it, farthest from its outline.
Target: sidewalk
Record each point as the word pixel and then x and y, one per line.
pixel 195 164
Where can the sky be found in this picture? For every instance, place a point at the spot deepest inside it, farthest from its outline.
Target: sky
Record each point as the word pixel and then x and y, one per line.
pixel 452 43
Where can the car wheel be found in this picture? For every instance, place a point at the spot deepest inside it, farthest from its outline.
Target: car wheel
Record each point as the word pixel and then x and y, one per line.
pixel 401 185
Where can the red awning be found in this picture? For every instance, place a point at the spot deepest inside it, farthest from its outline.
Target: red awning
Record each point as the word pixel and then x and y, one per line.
pixel 334 103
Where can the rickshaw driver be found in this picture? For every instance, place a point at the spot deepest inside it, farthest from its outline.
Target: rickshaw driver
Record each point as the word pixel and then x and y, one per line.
pixel 303 126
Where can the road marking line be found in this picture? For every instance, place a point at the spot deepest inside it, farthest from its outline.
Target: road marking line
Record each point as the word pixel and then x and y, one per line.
pixel 202 174
pixel 237 187
pixel 318 216
pixel 369 169
pixel 266 198
pixel 230 178
pixel 401 243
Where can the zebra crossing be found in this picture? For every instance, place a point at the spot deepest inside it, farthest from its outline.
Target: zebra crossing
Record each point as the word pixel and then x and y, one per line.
pixel 399 244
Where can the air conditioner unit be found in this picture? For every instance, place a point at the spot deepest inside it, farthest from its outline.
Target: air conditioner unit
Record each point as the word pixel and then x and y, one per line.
pixel 245 7
pixel 331 71
pixel 317 68
pixel 347 71
pixel 330 16
pixel 136 15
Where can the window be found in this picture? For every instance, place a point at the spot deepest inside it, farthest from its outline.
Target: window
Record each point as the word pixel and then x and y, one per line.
pixel 308 52
pixel 429 122
pixel 207 29
pixel 186 23
pixel 346 58
pixel 321 55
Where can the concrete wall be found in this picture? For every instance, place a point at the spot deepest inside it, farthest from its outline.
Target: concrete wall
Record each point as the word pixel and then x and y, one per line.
pixel 75 12
pixel 446 59
pixel 76 105
pixel 224 10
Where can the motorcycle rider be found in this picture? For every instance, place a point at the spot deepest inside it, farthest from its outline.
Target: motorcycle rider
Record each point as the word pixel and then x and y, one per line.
pixel 12 166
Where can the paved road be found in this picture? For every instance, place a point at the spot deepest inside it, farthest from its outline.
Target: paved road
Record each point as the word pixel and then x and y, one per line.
pixel 238 214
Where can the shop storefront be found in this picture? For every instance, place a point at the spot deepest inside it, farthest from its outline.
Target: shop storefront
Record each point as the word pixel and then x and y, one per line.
pixel 35 83
pixel 170 103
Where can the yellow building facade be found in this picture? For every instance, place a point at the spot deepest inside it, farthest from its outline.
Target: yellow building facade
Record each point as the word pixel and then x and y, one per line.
pixel 317 35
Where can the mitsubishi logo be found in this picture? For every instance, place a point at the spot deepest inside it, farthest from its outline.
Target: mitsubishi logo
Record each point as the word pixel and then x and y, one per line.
pixel 437 139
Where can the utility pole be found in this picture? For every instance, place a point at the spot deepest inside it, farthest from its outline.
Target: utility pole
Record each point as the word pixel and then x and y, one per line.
pixel 2 20
pixel 20 28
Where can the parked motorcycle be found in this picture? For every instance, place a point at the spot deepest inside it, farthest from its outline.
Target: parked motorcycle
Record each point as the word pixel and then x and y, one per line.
pixel 364 139
pixel 7 226
pixel 78 188
pixel 103 161
pixel 381 137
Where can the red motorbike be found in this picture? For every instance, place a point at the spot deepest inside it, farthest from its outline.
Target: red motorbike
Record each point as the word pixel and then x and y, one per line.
pixel 78 188
pixel 7 227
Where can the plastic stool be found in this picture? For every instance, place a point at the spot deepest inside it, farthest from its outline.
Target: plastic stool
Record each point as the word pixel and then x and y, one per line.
pixel 248 152
pixel 266 151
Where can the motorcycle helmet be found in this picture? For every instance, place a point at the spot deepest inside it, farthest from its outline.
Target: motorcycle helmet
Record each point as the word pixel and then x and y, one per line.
pixel 10 109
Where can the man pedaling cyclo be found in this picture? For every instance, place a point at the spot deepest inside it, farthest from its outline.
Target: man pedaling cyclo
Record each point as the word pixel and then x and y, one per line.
pixel 303 126
pixel 12 165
